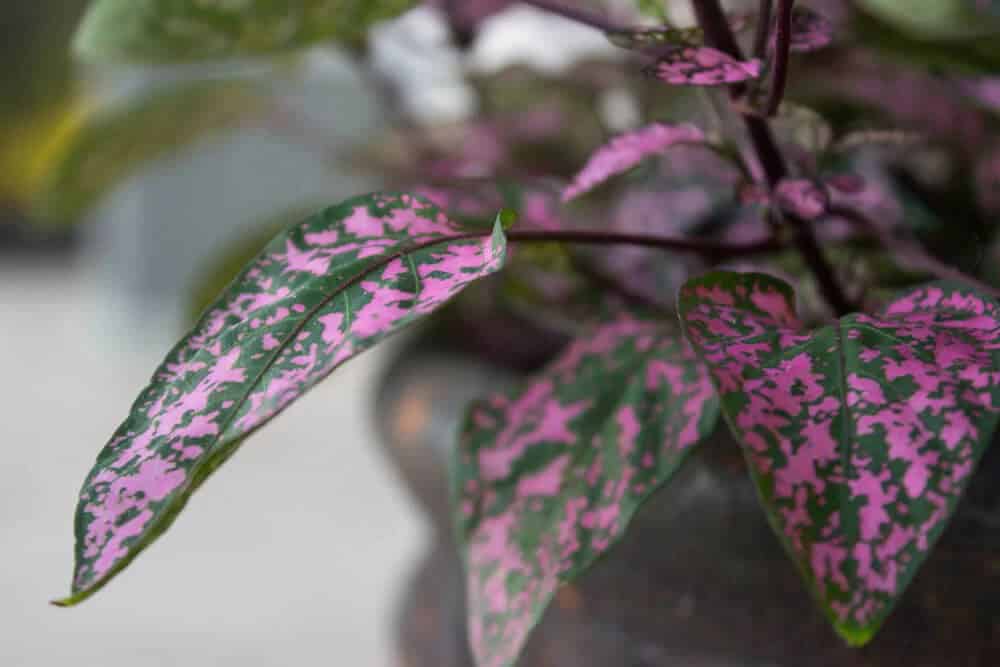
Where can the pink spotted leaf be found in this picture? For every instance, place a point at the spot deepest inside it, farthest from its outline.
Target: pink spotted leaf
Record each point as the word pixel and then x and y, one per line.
pixel 547 477
pixel 321 293
pixel 705 66
pixel 861 436
pixel 627 150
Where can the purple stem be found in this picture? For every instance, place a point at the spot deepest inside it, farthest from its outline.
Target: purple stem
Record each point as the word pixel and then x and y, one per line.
pixel 763 28
pixel 783 40
pixel 574 14
pixel 718 34
pixel 710 249
pixel 910 254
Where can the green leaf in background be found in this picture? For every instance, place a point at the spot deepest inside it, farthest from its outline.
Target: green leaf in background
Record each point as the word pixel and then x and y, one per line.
pixel 935 19
pixel 861 436
pixel 548 477
pixel 320 294
pixel 170 31
pixel 107 146
pixel 972 51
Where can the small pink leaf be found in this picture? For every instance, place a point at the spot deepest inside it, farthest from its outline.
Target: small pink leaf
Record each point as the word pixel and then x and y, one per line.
pixel 705 66
pixel 860 436
pixel 628 150
pixel 320 294
pixel 802 197
pixel 549 476
pixel 468 14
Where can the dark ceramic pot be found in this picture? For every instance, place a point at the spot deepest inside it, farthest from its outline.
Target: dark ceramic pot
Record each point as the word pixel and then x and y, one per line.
pixel 700 580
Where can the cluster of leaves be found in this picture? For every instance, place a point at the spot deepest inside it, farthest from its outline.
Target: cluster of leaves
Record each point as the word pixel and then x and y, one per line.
pixel 862 412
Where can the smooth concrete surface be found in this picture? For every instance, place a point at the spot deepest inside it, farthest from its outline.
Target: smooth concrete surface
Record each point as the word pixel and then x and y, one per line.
pixel 293 554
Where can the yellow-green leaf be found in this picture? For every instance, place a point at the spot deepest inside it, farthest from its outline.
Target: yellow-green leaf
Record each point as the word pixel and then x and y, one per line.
pixel 166 31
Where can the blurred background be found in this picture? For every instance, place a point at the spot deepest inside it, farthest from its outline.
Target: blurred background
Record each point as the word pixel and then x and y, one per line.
pixel 129 196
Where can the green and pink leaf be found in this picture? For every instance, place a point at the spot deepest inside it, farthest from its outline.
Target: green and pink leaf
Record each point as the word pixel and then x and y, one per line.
pixel 705 66
pixel 548 477
pixel 860 436
pixel 319 294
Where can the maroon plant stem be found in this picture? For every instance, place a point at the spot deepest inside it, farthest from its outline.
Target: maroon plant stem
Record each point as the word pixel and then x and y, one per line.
pixel 614 284
pixel 710 249
pixel 574 14
pixel 763 28
pixel 719 35
pixel 783 40
pixel 910 254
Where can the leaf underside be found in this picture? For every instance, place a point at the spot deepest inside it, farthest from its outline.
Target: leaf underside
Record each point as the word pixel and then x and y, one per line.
pixel 860 436
pixel 547 477
pixel 318 295
pixel 165 31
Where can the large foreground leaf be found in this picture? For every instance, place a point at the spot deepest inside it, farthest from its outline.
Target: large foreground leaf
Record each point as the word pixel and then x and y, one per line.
pixel 860 436
pixel 162 31
pixel 548 477
pixel 319 294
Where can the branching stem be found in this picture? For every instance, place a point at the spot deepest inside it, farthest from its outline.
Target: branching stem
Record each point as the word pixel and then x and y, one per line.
pixel 719 35
pixel 708 249
pixel 783 46
pixel 763 28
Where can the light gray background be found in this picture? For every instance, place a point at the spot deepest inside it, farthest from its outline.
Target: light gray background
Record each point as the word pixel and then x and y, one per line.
pixel 294 554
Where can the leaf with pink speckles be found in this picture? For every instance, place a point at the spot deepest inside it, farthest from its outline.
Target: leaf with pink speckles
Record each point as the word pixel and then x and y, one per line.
pixel 321 293
pixel 627 150
pixel 861 436
pixel 548 477
pixel 705 66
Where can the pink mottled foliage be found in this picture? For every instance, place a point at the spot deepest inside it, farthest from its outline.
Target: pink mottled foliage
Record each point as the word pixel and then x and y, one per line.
pixel 549 476
pixel 705 66
pixel 320 294
pixel 862 435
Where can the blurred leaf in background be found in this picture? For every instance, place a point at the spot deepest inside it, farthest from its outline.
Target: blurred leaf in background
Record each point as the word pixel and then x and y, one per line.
pixel 101 147
pixel 159 31
pixel 38 96
pixel 958 36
